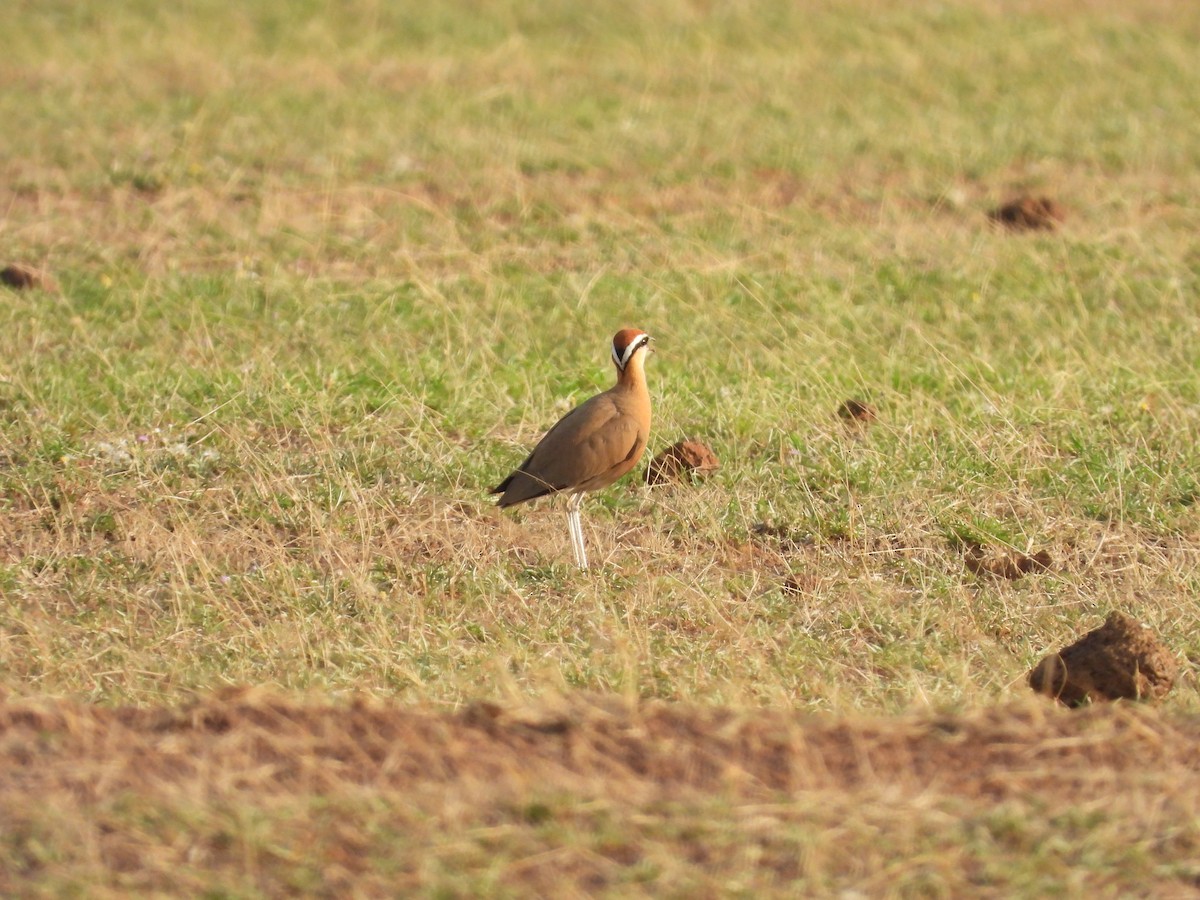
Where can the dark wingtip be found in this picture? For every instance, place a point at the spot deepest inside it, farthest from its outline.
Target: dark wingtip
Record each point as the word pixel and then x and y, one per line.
pixel 521 491
pixel 504 502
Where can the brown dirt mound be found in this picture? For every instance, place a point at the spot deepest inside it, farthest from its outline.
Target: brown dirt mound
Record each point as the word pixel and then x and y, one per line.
pixel 26 278
pixel 857 411
pixel 800 584
pixel 1010 565
pixel 684 460
pixel 1026 213
pixel 1119 660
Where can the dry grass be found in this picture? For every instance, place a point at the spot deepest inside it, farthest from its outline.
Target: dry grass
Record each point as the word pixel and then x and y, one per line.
pixel 317 276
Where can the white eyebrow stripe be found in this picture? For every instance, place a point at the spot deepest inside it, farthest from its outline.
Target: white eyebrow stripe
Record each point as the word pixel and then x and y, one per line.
pixel 640 341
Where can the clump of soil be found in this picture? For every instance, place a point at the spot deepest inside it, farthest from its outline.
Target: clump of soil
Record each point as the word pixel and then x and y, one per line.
pixel 1026 213
pixel 1121 659
pixel 685 460
pixel 799 584
pixel 25 278
pixel 857 411
pixel 1011 566
pixel 789 541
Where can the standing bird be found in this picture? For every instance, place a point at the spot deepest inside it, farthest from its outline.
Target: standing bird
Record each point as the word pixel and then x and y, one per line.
pixel 593 445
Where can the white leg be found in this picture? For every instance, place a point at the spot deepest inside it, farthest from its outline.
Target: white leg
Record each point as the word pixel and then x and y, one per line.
pixel 571 530
pixel 575 524
pixel 583 563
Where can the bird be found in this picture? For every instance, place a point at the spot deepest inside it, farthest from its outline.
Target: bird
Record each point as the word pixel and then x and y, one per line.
pixel 593 445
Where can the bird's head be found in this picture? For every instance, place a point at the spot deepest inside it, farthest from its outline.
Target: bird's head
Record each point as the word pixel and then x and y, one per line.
pixel 626 344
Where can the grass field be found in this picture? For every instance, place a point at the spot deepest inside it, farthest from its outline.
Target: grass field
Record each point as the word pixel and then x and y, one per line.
pixel 325 271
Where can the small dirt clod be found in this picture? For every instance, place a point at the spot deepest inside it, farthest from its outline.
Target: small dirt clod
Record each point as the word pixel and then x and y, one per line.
pixel 684 460
pixel 1122 659
pixel 857 411
pixel 26 278
pixel 1011 566
pixel 1026 213
pixel 799 584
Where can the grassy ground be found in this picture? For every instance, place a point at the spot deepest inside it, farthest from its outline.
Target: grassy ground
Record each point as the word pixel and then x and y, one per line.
pixel 326 271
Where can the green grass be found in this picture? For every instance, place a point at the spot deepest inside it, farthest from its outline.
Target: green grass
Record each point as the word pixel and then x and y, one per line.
pixel 328 270
pixel 323 282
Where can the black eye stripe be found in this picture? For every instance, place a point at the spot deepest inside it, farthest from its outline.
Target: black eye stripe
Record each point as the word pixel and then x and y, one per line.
pixel 623 357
